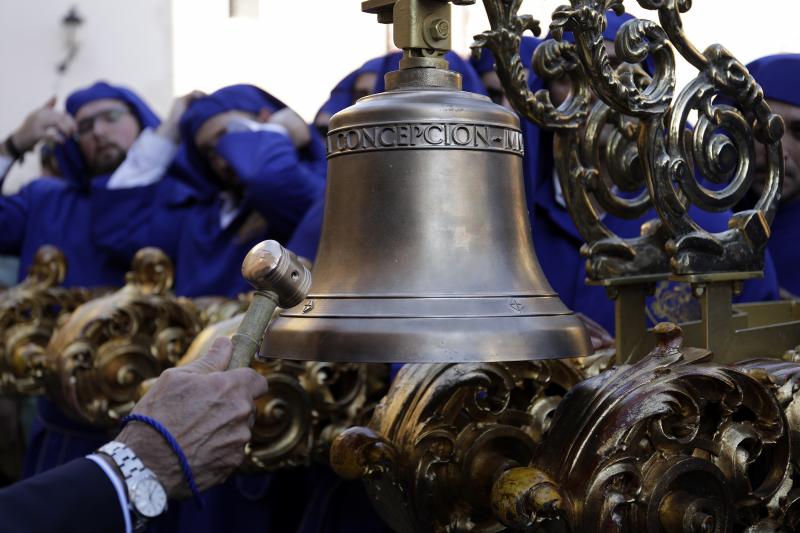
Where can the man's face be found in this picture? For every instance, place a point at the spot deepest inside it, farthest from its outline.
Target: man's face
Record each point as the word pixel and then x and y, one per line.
pixel 791 151
pixel 106 130
pixel 208 136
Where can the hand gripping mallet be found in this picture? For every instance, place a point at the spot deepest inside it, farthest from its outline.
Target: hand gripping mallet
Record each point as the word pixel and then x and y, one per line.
pixel 280 280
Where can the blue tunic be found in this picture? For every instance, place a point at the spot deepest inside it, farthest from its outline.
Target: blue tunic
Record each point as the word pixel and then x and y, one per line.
pixel 779 77
pixel 783 247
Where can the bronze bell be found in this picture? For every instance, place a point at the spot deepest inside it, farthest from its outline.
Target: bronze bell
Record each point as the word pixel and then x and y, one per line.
pixel 426 252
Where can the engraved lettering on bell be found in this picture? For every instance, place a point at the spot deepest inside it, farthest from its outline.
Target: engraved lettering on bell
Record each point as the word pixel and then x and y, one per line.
pixel 460 136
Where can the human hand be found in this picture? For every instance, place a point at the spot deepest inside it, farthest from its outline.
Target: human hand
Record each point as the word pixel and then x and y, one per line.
pixel 294 124
pixel 209 411
pixel 43 123
pixel 169 129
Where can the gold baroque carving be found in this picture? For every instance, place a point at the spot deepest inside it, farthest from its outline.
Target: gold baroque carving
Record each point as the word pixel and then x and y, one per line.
pixel 308 404
pixel 109 346
pixel 671 443
pixel 29 312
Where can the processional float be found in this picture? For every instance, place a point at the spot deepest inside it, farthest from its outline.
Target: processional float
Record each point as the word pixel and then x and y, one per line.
pixel 502 419
pixel 426 259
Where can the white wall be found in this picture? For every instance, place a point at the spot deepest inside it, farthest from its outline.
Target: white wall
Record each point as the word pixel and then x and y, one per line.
pixel 296 49
pixel 123 41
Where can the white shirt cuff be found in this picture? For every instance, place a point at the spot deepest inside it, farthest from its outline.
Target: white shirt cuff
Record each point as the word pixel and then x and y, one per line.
pixel 5 165
pixel 122 493
pixel 146 162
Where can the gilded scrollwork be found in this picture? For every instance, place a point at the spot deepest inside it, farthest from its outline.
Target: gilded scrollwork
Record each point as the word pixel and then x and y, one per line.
pixel 307 406
pixel 600 172
pixel 438 438
pixel 596 177
pixel 710 164
pixel 29 312
pixel 98 358
pixel 551 60
pixel 636 41
pixel 671 443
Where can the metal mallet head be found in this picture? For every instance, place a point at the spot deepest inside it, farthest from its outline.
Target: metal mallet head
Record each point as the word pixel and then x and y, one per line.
pixel 280 280
pixel 269 267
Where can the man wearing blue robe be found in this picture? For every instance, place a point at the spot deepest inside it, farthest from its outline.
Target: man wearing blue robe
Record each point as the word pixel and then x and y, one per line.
pixel 249 169
pixel 779 77
pixel 107 121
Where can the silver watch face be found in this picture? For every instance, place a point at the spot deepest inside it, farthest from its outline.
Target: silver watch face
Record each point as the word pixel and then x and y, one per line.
pixel 148 497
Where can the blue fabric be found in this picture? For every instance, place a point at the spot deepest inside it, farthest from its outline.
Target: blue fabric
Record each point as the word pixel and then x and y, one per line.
pixel 246 98
pixel 339 506
pixel 779 76
pixel 470 81
pixel 56 439
pixel 67 203
pixel 305 240
pixel 783 246
pixel 249 99
pixel 208 258
pixel 57 212
pixel 181 213
pixel 244 504
pixel 485 61
pixel 342 94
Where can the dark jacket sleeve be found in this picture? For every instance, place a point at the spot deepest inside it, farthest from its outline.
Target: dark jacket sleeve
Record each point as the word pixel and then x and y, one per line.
pixel 75 497
pixel 275 182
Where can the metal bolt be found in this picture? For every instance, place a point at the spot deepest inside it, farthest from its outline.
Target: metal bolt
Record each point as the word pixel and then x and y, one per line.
pixel 439 29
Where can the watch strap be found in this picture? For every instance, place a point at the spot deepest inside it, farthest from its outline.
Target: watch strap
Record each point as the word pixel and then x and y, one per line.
pixel 132 469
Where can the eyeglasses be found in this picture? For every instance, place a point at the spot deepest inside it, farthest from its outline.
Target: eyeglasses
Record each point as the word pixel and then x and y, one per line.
pixel 107 116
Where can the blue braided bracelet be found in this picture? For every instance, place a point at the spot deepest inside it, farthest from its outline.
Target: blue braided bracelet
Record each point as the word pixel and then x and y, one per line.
pixel 187 470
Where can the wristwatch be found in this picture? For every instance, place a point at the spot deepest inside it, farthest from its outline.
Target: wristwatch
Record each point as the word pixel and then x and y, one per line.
pixel 146 495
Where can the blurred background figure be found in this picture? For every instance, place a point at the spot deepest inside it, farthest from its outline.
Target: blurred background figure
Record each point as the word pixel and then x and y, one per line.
pixel 779 77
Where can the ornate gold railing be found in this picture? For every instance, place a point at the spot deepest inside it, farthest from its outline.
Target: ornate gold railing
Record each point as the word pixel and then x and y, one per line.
pixel 678 440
